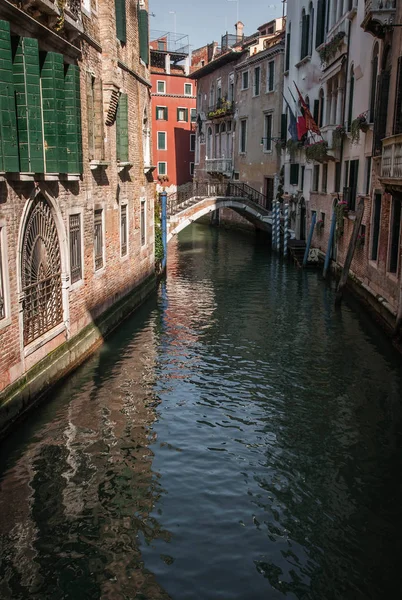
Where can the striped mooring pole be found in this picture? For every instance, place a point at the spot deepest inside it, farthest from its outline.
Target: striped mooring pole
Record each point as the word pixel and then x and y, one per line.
pixel 278 227
pixel 273 230
pixel 163 198
pixel 285 229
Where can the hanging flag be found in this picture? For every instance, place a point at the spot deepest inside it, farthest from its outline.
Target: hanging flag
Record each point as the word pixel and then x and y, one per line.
pixel 310 124
pixel 292 129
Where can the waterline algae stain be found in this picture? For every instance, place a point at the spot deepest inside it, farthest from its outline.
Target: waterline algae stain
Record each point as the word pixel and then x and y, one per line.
pixel 237 438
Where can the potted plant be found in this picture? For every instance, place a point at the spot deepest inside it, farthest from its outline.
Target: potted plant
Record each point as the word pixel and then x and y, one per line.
pixel 328 50
pixel 317 151
pixel 337 136
pixel 357 125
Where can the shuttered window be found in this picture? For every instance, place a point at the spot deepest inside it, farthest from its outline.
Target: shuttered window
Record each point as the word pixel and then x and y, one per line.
pixel 75 248
pixel 182 114
pixel 123 230
pixel 287 59
pixel 95 118
pixel 304 35
pixel 351 97
pixel 2 286
pixel 122 129
pixel 143 223
pixel 73 119
pixel 98 238
pixel 8 122
pixel 284 126
pixel 54 113
pixel 120 10
pixel 320 32
pixel 271 74
pixel 143 29
pixel 26 75
pixel 294 174
pixel 398 100
pixel 380 120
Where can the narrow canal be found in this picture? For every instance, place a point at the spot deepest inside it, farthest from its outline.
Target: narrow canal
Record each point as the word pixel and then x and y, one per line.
pixel 238 438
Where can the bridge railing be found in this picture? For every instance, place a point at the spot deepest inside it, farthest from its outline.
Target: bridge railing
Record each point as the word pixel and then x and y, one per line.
pixel 205 189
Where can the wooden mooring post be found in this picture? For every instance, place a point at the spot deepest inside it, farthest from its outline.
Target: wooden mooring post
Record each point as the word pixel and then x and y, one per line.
pixel 351 251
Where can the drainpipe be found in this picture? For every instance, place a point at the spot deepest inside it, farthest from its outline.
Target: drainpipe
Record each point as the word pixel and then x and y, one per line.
pixel 163 197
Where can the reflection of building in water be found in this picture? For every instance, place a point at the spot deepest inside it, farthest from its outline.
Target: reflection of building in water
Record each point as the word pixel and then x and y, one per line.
pixel 83 490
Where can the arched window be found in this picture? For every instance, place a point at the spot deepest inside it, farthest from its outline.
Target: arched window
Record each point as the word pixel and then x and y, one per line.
pixel 209 142
pixel 373 86
pixel 351 95
pixel 311 29
pixel 321 14
pixel 287 58
pixel 40 272
pixel 321 108
pixel 304 42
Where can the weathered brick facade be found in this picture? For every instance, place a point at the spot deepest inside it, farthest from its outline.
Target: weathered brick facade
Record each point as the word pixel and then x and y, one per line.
pixel 104 184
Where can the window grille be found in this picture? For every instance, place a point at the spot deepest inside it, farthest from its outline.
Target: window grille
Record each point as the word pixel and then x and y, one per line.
pixel 142 223
pixel 98 239
pixel 123 230
pixel 41 273
pixel 75 248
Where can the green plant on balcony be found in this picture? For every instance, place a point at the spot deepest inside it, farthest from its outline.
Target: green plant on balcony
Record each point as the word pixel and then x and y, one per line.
pixel 280 145
pixel 328 50
pixel 337 137
pixel 292 146
pixel 317 151
pixel 223 106
pixel 357 125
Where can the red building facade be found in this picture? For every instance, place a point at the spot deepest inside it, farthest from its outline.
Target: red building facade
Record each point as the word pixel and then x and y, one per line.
pixel 173 111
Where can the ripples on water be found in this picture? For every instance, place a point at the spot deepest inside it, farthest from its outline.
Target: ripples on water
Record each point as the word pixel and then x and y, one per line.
pixel 237 438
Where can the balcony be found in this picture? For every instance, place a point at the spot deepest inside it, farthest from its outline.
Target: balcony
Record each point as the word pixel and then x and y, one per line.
pixel 377 15
pixel 222 166
pixel 73 18
pixel 391 164
pixel 222 108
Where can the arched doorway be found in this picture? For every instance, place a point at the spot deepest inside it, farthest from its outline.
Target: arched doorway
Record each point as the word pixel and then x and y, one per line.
pixel 40 272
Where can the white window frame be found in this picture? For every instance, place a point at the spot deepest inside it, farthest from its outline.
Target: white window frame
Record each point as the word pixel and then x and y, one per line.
pixel 179 108
pixel 242 79
pixel 191 89
pixel 103 267
pixel 162 162
pixel 240 137
pixel 4 270
pixel 193 111
pixel 86 7
pixel 157 140
pixel 75 210
pixel 164 86
pixel 255 94
pixel 273 79
pixel 192 146
pixel 124 203
pixel 164 112
pixel 192 169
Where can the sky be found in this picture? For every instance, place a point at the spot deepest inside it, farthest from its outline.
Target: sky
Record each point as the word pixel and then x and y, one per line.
pixel 205 21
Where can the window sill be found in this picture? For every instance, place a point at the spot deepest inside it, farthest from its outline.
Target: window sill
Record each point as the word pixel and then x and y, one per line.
pixel 123 165
pixel 303 61
pixel 44 339
pixel 76 285
pixel 149 168
pixel 98 164
pixel 270 92
pixel 5 322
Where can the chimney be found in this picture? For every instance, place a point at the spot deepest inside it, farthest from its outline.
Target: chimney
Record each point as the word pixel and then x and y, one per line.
pixel 239 30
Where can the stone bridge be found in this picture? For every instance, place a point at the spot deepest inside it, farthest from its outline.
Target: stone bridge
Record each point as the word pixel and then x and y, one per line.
pixel 203 199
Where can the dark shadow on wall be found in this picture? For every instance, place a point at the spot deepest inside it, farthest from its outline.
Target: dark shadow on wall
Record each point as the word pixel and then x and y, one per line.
pixel 183 155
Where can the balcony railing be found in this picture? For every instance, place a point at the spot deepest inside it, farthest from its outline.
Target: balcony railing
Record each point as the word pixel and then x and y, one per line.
pixel 219 165
pixel 378 14
pixel 221 109
pixel 391 165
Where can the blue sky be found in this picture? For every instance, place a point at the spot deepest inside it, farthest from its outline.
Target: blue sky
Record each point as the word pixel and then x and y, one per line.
pixel 206 20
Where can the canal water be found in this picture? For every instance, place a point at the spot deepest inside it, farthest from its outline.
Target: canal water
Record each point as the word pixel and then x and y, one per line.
pixel 237 438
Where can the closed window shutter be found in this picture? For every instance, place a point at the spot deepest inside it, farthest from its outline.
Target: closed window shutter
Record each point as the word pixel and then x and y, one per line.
pixel 73 120
pixel 319 37
pixel 284 126
pixel 143 34
pixel 8 122
pixel 29 113
pixel 166 113
pixel 287 60
pixel 54 112
pixel 99 120
pixel 122 129
pixel 294 174
pixel 120 10
pixel 271 76
pixel 306 35
pixel 316 110
pixel 178 114
pixel 91 116
pixel 398 100
pixel 186 115
pixel 380 120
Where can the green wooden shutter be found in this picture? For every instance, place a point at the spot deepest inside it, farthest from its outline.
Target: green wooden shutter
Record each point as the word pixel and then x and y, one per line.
pixel 73 119
pixel 294 174
pixel 143 29
pixel 122 129
pixel 26 76
pixel 186 115
pixel 398 100
pixel 120 9
pixel 320 31
pixel 54 112
pixel 8 122
pixel 284 126
pixel 316 110
pixel 287 58
pixel 166 113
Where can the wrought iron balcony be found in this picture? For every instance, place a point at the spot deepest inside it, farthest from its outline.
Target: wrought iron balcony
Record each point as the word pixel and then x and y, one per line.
pixel 222 108
pixel 377 15
pixel 223 166
pixel 391 164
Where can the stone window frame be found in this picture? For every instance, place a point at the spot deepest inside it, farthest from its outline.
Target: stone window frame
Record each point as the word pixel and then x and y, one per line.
pixel 157 140
pixel 192 139
pixel 164 86
pixel 4 273
pixel 100 270
pixel 76 210
pixel 191 89
pixel 143 221
pixel 192 169
pixel 246 71
pixel 241 149
pixel 162 162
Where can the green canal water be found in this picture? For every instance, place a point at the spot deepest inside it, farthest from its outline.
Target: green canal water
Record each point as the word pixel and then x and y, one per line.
pixel 237 438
